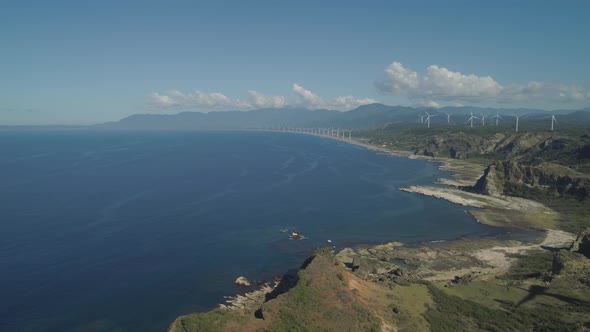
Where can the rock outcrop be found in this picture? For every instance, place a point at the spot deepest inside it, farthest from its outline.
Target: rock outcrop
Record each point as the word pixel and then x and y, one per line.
pixel 521 146
pixel 242 281
pixel 554 179
pixel 582 243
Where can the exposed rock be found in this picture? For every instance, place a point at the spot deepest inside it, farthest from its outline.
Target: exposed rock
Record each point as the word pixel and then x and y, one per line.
pixel 558 180
pixel 242 281
pixel 356 263
pixel 582 243
pixel 369 267
pixel 345 256
pixel 465 279
pixel 521 146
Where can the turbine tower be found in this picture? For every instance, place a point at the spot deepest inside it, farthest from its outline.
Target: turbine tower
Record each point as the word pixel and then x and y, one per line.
pixel 471 119
pixel 517 116
pixel 553 119
pixel 421 118
pixel 483 119
pixel 448 117
pixel 428 116
pixel 497 116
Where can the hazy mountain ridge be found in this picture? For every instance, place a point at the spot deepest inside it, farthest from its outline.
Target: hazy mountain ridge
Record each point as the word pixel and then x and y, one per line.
pixel 362 117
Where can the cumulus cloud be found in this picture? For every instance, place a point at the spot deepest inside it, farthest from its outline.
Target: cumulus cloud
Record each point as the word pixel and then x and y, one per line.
pixel 441 84
pixel 219 101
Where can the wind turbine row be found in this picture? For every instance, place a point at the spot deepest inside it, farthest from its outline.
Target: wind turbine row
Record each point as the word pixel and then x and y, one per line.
pixel 425 119
pixel 330 132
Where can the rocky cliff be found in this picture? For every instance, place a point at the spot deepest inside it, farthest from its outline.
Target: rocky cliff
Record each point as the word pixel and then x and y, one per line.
pixel 501 178
pixel 521 146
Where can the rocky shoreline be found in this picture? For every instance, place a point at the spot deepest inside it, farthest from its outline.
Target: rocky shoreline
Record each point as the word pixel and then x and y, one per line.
pixel 397 287
pixel 486 258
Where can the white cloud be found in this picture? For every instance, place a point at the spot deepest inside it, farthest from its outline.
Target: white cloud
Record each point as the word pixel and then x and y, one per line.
pixel 442 84
pixel 218 101
pixel 197 99
pixel 307 97
pixel 428 103
pixel 401 80
pixel 260 100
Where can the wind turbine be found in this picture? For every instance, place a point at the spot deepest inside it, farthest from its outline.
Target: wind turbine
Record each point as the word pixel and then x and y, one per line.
pixel 471 118
pixel 553 119
pixel 517 116
pixel 421 118
pixel 448 117
pixel 483 119
pixel 428 116
pixel 497 116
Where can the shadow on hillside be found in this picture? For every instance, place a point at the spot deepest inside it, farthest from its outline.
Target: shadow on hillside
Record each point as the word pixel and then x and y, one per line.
pixel 536 290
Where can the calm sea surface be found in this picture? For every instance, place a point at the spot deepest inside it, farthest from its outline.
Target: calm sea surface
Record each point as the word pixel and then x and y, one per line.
pixel 123 231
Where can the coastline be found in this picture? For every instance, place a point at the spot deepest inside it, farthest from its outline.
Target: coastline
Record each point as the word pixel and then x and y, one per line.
pixel 410 276
pixel 481 257
pixel 498 211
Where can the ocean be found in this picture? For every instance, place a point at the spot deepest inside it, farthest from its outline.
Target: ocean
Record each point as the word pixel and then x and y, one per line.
pixel 125 230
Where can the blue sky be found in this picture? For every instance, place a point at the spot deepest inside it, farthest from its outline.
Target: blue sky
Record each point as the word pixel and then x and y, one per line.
pixel 87 62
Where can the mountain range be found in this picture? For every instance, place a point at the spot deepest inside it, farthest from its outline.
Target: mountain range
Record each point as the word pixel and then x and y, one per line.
pixel 362 117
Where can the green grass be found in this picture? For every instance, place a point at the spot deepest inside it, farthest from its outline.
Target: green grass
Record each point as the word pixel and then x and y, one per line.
pixel 574 212
pixel 453 313
pixel 214 320
pixel 530 266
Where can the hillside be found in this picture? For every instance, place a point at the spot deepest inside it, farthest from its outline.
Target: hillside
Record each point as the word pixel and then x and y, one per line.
pixel 325 297
pixel 435 288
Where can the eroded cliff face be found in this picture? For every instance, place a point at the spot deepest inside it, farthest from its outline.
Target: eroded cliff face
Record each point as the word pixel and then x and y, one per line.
pixel 501 177
pixel 521 146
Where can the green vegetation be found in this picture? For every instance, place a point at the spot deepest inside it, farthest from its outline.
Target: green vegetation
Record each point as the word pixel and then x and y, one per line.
pixel 214 320
pixel 452 313
pixel 533 265
pixel 568 146
pixel 574 212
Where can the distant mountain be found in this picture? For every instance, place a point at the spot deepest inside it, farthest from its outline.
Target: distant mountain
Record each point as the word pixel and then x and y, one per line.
pixel 362 117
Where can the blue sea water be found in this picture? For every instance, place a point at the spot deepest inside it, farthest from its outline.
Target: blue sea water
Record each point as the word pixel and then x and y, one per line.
pixel 125 230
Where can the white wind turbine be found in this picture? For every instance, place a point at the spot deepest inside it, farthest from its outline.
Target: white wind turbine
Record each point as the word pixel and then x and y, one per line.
pixel 448 117
pixel 483 119
pixel 421 118
pixel 553 119
pixel 471 119
pixel 428 116
pixel 517 116
pixel 497 116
